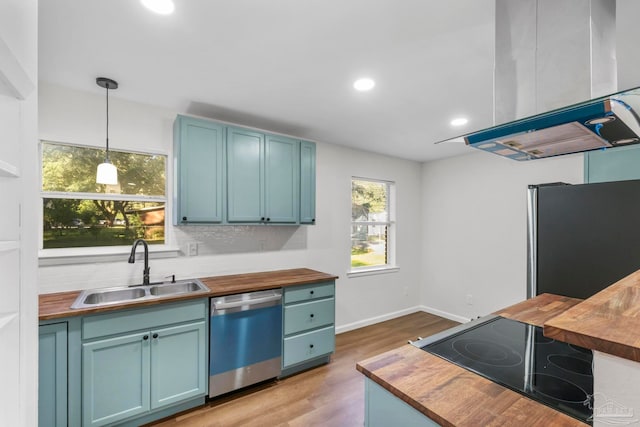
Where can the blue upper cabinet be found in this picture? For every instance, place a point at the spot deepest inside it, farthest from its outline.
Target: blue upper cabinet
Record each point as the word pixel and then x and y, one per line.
pixel 199 148
pixel 232 175
pixel 619 164
pixel 245 175
pixel 307 182
pixel 281 179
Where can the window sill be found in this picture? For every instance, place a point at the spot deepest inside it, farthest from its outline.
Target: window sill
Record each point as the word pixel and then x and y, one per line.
pixel 372 271
pixel 49 257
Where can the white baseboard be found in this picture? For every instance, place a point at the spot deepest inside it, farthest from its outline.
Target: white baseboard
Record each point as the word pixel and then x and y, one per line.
pixel 444 314
pixel 373 320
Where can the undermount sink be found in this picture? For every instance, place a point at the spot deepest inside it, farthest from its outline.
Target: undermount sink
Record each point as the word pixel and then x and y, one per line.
pixel 109 296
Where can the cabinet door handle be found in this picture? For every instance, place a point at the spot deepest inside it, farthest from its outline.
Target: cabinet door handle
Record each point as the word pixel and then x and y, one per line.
pixel 311 292
pixel 313 220
pixel 184 218
pixel 310 345
pixel 262 219
pixel 155 335
pixel 146 337
pixel 311 315
pixel 268 219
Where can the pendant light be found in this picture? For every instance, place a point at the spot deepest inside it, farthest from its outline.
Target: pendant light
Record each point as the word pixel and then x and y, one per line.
pixel 107 172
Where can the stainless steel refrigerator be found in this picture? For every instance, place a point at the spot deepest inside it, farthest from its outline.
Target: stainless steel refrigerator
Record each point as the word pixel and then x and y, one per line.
pixel 582 238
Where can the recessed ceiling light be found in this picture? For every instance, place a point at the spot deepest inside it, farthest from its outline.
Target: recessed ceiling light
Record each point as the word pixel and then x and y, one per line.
pixel 162 7
pixel 364 84
pixel 459 121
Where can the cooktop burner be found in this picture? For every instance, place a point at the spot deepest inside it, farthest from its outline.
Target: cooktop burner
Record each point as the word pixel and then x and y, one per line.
pixel 518 356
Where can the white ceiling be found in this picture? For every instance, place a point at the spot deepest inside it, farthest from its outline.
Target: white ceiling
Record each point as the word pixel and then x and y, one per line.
pixel 288 65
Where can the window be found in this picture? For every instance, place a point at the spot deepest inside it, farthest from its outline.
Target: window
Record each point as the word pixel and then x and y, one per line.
pixel 372 227
pixel 77 212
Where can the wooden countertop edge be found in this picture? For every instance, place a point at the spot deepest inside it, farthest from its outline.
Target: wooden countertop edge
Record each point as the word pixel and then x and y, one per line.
pixel 607 321
pixel 539 309
pixel 505 398
pixel 404 397
pixel 71 297
pixel 58 305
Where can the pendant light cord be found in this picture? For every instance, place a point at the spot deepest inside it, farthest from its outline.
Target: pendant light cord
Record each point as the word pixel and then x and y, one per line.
pixel 107 88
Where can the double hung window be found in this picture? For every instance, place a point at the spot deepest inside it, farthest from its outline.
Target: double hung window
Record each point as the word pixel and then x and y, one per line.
pixel 77 212
pixel 372 225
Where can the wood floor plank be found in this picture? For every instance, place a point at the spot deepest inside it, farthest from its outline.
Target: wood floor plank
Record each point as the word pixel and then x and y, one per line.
pixel 329 396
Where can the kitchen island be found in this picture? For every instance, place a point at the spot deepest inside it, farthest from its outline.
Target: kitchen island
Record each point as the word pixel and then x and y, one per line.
pixel 435 389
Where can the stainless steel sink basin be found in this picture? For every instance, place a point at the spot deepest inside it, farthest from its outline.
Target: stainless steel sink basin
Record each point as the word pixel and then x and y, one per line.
pixel 109 296
pixel 114 296
pixel 176 288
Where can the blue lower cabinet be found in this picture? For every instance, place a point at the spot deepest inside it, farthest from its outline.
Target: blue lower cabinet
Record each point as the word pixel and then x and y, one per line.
pixel 132 377
pixel 52 367
pixel 178 364
pixel 383 409
pixel 308 326
pixel 115 379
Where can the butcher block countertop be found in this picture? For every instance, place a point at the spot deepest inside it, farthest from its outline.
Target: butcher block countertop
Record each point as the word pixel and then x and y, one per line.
pixel 58 305
pixel 238 283
pixel 608 322
pixel 453 396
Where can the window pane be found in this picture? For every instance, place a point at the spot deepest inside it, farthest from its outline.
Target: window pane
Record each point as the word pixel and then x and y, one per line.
pixel 72 223
pixel 368 245
pixel 73 169
pixel 369 201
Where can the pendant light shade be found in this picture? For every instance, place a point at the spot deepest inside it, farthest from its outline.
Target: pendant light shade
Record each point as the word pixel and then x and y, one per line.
pixel 107 172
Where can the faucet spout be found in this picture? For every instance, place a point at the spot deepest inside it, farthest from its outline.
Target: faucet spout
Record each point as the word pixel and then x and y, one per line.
pixel 132 259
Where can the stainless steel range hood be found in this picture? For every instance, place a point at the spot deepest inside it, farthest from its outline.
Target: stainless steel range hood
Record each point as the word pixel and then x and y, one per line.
pixel 601 123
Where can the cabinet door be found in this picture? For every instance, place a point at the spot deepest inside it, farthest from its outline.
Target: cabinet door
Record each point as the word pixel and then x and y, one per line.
pixel 178 364
pixel 115 379
pixel 307 182
pixel 200 174
pixel 245 176
pixel 52 379
pixel 282 182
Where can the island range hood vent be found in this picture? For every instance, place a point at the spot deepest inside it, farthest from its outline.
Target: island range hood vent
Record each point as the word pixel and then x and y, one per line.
pixel 606 122
pixel 549 54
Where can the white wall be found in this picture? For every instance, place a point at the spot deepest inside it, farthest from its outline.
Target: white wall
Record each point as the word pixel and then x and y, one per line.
pixel 474 234
pixel 78 117
pixel 18 142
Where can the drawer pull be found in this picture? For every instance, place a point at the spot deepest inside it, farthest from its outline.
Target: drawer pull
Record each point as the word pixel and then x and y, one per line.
pixel 311 292
pixel 310 345
pixel 155 335
pixel 311 315
pixel 146 337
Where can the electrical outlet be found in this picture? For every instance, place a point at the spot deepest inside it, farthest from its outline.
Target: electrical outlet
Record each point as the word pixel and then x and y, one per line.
pixel 469 299
pixel 192 248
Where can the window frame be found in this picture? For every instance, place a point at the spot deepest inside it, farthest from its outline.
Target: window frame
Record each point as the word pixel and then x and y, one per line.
pixel 91 254
pixel 391 264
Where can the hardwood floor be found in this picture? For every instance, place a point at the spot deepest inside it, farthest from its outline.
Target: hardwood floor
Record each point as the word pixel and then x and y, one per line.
pixel 329 396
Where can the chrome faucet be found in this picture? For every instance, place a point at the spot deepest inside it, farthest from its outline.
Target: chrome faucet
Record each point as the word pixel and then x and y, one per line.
pixel 132 259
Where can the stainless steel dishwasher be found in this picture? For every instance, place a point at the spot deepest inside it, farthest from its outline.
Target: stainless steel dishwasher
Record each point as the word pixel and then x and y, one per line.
pixel 245 340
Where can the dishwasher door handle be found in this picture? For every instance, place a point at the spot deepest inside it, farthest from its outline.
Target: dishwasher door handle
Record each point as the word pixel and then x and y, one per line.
pixel 244 303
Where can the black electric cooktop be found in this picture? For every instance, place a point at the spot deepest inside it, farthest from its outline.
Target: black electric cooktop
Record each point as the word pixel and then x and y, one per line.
pixel 518 356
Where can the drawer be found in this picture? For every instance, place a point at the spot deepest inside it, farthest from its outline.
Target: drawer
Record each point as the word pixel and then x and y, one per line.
pixel 120 321
pixel 308 315
pixel 307 346
pixel 309 292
